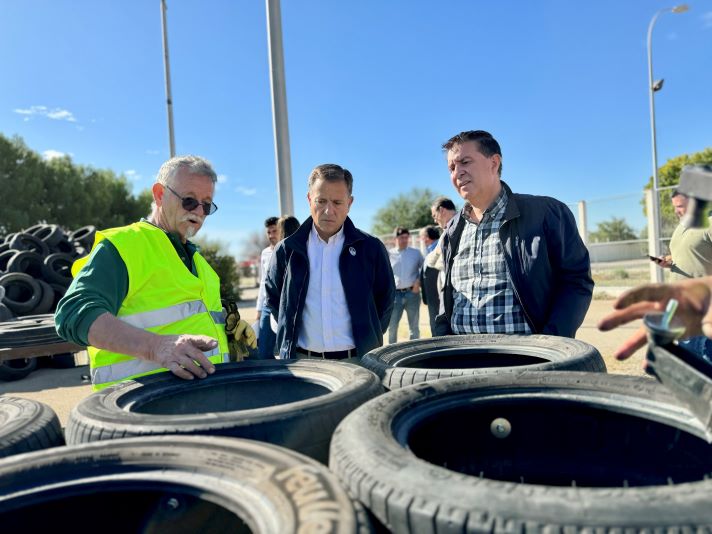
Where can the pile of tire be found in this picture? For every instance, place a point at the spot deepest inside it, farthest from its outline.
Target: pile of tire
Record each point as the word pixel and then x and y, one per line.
pixel 528 452
pixel 35 267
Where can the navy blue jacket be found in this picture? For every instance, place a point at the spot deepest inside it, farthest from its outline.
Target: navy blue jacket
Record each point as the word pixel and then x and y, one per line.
pixel 366 275
pixel 546 260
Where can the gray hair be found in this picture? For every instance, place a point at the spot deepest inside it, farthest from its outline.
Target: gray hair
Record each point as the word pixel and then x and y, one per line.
pixel 194 165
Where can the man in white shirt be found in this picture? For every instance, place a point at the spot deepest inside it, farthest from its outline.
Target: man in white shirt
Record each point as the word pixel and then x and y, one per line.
pixel 331 283
pixel 266 336
pixel 406 263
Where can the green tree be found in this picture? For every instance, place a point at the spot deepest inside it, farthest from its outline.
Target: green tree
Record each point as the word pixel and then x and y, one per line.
pixel 224 264
pixel 411 210
pixel 614 230
pixel 61 192
pixel 669 175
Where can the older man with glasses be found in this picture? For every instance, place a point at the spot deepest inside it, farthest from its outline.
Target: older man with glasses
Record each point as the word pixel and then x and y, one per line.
pixel 145 300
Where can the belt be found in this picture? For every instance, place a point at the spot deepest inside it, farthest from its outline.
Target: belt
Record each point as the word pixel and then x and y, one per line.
pixel 405 289
pixel 334 355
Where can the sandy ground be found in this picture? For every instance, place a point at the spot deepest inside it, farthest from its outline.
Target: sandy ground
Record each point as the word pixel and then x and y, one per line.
pixel 63 388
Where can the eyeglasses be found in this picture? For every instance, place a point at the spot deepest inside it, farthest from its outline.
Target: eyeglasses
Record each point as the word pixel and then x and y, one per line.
pixel 189 203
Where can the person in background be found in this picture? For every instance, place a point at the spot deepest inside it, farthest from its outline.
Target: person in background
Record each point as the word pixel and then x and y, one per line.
pixel 286 226
pixel 406 263
pixel 514 264
pixel 430 293
pixel 145 300
pixel 442 211
pixel 330 283
pixel 265 335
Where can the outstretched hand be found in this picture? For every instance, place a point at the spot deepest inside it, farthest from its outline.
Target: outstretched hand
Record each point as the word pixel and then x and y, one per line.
pixel 183 355
pixel 693 310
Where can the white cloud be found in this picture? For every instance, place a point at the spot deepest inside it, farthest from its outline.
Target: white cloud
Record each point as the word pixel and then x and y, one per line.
pixel 707 19
pixel 247 191
pixel 52 154
pixel 57 114
pixel 222 178
pixel 132 175
pixel 151 151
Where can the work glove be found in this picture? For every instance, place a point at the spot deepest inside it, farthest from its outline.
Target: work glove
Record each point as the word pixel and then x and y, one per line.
pixel 240 335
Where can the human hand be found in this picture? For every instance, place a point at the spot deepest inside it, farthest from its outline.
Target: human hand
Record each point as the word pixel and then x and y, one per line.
pixel 183 355
pixel 693 310
pixel 244 332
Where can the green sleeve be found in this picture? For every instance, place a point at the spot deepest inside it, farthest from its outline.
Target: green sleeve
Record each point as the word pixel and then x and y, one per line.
pixel 101 286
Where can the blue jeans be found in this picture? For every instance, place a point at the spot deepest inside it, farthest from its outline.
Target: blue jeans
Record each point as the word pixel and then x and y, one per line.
pixel 410 302
pixel 267 338
pixel 700 345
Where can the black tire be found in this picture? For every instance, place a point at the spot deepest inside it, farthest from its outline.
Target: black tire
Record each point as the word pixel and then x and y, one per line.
pixel 24 241
pixel 57 269
pixel 47 299
pixel 27 425
pixel 51 234
pixel 63 361
pixel 529 452
pixel 28 331
pixel 296 404
pixel 17 369
pixel 22 292
pixel 27 262
pixel 84 235
pixel 34 228
pixel 62 247
pixel 176 484
pixel 423 360
pixel 5 313
pixel 5 258
pixel 59 291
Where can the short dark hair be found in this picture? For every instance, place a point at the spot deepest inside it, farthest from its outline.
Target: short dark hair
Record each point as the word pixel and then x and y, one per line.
pixel 433 232
pixel 487 145
pixel 401 230
pixel 271 221
pixel 444 202
pixel 676 193
pixel 331 173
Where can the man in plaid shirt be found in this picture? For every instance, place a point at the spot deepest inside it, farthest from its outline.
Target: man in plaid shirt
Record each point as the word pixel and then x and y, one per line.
pixel 514 264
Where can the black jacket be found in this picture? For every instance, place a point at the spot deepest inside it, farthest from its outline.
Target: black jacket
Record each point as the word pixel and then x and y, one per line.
pixel 366 276
pixel 546 260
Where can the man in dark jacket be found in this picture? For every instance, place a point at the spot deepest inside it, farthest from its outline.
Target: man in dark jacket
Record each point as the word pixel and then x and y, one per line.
pixel 514 264
pixel 331 283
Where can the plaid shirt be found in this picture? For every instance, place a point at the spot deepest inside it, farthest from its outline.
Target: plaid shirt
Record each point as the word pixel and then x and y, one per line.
pixel 483 295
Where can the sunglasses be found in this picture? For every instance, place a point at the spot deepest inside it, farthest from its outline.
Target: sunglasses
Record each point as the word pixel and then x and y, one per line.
pixel 189 203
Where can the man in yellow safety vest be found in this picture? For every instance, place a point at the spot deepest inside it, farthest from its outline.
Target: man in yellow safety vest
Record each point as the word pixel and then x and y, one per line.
pixel 145 300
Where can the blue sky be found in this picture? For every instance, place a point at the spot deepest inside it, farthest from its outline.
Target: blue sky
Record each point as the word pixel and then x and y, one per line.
pixel 373 85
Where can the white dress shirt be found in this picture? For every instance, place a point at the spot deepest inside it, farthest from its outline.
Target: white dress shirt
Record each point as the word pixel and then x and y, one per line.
pixel 265 258
pixel 326 322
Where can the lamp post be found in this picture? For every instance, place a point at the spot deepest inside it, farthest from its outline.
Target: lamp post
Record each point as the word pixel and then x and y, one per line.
pixel 167 70
pixel 655 271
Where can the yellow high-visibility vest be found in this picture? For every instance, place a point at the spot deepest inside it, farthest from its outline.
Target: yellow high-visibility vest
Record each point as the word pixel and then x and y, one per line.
pixel 163 297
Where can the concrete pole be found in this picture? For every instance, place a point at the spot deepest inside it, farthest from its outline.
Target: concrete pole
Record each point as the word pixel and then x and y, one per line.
pixel 279 108
pixel 583 222
pixel 167 69
pixel 656 272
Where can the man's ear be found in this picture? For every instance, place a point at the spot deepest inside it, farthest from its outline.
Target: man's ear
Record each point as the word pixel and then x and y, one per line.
pixel 158 190
pixel 496 162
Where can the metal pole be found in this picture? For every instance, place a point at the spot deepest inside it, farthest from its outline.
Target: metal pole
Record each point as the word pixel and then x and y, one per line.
pixel 654 240
pixel 167 68
pixel 279 108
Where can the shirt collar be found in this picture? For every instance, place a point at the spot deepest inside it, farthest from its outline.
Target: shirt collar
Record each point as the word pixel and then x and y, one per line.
pixel 495 209
pixel 333 239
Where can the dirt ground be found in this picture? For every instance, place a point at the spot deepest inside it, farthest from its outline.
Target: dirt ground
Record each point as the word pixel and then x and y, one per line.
pixel 63 388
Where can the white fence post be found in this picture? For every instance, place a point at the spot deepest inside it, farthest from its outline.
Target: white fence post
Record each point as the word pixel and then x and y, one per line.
pixel 656 272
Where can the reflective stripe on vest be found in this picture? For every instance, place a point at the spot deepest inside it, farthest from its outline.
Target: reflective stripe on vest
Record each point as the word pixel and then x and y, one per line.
pixel 171 314
pixel 122 370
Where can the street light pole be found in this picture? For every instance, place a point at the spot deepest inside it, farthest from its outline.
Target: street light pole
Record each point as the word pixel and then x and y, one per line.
pixel 167 68
pixel 656 272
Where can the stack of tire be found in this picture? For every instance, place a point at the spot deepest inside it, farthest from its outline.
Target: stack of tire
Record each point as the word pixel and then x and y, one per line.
pixel 35 267
pixel 35 272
